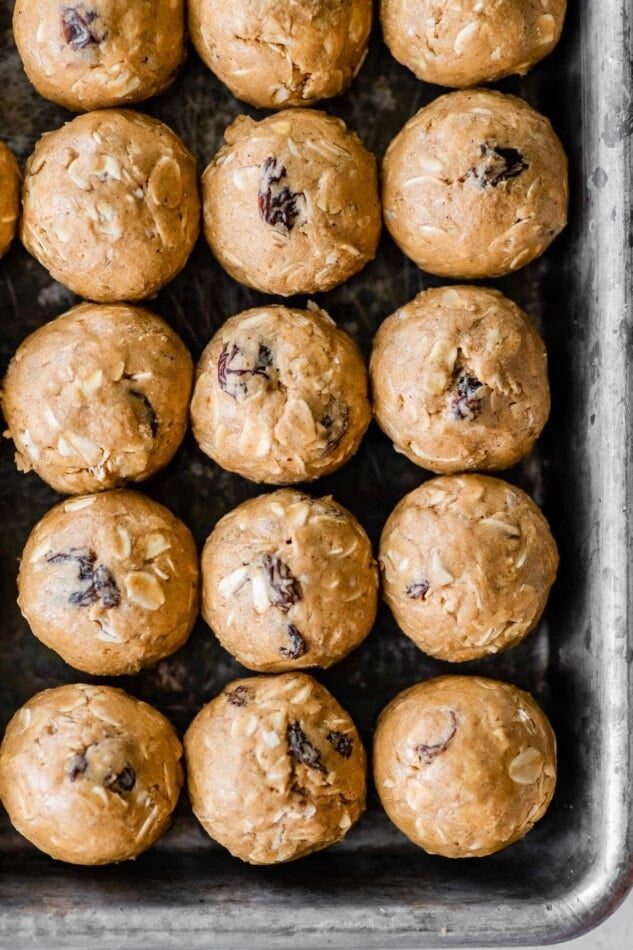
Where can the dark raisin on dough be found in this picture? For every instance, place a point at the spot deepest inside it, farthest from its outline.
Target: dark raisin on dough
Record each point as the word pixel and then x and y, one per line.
pixel 77 29
pixel 298 646
pixel 101 584
pixel 278 205
pixel 237 371
pixel 467 398
pixel 283 588
pixel 497 165
pixel 303 750
pixel 78 766
pixel 418 589
pixel 121 782
pixel 238 696
pixel 428 752
pixel 341 743
pixel 335 421
pixel 145 411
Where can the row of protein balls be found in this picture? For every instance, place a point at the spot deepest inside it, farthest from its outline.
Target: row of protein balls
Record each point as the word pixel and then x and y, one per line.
pixel 276 769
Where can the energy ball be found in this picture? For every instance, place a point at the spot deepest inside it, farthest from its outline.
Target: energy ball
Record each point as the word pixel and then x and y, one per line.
pixel 459 379
pixel 99 52
pixel 276 769
pixel 289 581
pixel 110 582
pixel 465 43
pixel 110 205
pixel 9 197
pixel 291 203
pixel 467 564
pixel 98 397
pixel 275 54
pixel 464 766
pixel 280 396
pixel 90 775
pixel 475 185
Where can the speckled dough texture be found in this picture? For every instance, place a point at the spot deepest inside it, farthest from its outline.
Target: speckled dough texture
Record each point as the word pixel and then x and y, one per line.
pixel 90 775
pixel 289 581
pixel 475 185
pixel 9 197
pixel 99 53
pixel 276 769
pixel 280 396
pixel 98 397
pixel 465 42
pixel 459 380
pixel 291 203
pixel 110 582
pixel 275 54
pixel 467 565
pixel 110 205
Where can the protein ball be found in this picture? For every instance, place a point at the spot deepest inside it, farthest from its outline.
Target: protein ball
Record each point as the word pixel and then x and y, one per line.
pixel 9 197
pixel 99 52
pixel 289 581
pixel 110 582
pixel 475 185
pixel 464 766
pixel 465 43
pixel 291 203
pixel 276 769
pixel 90 775
pixel 98 397
pixel 280 396
pixel 459 380
pixel 275 54
pixel 110 205
pixel 467 565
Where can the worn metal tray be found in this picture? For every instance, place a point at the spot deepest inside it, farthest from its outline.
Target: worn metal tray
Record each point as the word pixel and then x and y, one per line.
pixel 375 889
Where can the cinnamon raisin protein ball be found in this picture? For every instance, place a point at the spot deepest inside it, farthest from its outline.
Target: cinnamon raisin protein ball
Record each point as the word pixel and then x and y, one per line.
pixel 464 766
pixel 90 775
pixel 98 397
pixel 467 565
pixel 280 396
pixel 289 581
pixel 275 54
pixel 9 197
pixel 98 53
pixel 475 185
pixel 276 768
pixel 110 582
pixel 291 203
pixel 459 380
pixel 110 205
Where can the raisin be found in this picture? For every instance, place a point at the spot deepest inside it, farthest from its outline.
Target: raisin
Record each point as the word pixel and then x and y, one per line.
pixel 278 205
pixel 297 646
pixel 237 372
pixel 77 27
pixel 497 165
pixel 78 766
pixel 341 743
pixel 121 782
pixel 146 413
pixel 303 750
pixel 283 587
pixel 101 583
pixel 238 696
pixel 429 752
pixel 467 398
pixel 418 589
pixel 335 421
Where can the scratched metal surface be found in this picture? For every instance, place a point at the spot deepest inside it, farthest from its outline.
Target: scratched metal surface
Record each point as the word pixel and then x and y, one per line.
pixel 375 889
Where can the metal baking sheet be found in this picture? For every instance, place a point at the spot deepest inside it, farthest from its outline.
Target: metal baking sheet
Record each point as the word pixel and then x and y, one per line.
pixel 375 889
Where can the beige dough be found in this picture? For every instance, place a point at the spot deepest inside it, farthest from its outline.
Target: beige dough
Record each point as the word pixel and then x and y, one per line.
pixel 291 203
pixel 110 582
pixel 465 42
pixel 275 54
pixel 276 768
pixel 98 53
pixel 280 396
pixel 475 185
pixel 464 766
pixel 98 397
pixel 9 197
pixel 459 380
pixel 289 581
pixel 90 775
pixel 111 205
pixel 467 564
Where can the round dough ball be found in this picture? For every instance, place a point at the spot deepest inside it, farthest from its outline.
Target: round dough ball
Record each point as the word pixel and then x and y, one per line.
pixel 98 397
pixel 110 205
pixel 464 766
pixel 90 775
pixel 9 197
pixel 276 769
pixel 289 581
pixel 465 43
pixel 475 185
pixel 280 396
pixel 99 53
pixel 110 582
pixel 275 54
pixel 467 562
pixel 459 379
pixel 291 203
